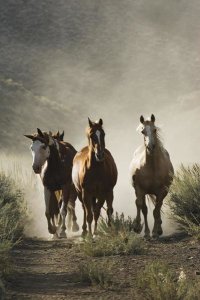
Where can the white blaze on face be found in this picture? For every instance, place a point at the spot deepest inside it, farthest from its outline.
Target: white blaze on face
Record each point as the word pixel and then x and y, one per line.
pixel 40 153
pixel 98 134
pixel 149 137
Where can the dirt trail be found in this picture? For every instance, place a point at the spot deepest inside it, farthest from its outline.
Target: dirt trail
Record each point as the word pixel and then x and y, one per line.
pixel 49 269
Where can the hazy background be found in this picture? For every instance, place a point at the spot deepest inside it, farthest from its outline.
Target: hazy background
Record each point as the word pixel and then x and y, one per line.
pixel 62 61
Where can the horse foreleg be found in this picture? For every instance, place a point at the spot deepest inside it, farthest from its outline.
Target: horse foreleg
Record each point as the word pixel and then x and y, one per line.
pixel 87 201
pixel 63 210
pixel 97 211
pixel 109 201
pixel 71 209
pixel 157 229
pixel 47 197
pixel 84 227
pixel 146 226
pixel 139 205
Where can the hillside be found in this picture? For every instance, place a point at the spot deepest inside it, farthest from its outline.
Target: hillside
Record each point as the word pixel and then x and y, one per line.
pixel 22 112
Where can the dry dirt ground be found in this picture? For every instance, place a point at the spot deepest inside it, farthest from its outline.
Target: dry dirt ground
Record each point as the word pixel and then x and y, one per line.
pixel 50 269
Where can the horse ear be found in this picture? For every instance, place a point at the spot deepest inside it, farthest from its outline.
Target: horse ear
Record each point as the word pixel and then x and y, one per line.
pixel 29 136
pixel 62 136
pixel 153 118
pixel 100 122
pixel 142 119
pixel 40 132
pixel 90 122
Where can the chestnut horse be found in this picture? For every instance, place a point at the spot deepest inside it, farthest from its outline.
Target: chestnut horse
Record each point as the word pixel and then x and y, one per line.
pixel 94 175
pixel 52 159
pixel 152 174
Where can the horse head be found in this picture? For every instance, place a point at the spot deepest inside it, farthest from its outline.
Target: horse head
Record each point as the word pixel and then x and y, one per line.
pixel 149 130
pixel 40 149
pixel 96 138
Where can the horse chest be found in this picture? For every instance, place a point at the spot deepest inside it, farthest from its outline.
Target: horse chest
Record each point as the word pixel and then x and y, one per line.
pixel 96 181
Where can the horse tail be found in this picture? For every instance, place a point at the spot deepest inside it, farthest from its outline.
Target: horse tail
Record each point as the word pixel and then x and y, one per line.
pixel 151 198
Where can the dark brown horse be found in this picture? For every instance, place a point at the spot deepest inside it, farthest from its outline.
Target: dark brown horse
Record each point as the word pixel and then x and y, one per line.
pixel 152 174
pixel 94 175
pixel 52 159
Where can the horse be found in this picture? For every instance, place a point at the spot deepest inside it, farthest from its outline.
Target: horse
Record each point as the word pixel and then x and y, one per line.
pixel 52 160
pixel 152 174
pixel 94 175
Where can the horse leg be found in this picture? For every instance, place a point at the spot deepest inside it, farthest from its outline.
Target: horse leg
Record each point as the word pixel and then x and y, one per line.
pixel 146 227
pixel 87 200
pixel 63 210
pixel 97 211
pixel 84 227
pixel 109 201
pixel 47 197
pixel 71 204
pixel 140 199
pixel 157 229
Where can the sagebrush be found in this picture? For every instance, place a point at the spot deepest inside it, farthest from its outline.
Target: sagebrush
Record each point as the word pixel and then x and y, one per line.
pixel 119 239
pixel 12 221
pixel 159 282
pixel 184 198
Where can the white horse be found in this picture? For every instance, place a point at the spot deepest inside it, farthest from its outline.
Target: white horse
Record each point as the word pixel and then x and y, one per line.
pixel 152 174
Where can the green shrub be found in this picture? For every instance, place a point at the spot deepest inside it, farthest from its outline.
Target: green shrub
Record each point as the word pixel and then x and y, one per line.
pixel 159 282
pixel 12 221
pixel 184 198
pixel 96 274
pixel 12 210
pixel 115 240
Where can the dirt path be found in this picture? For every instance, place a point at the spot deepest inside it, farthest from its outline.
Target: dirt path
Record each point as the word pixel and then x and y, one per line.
pixel 50 269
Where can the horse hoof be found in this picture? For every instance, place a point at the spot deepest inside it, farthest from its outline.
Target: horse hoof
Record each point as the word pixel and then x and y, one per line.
pixel 155 236
pixel 55 236
pixel 75 227
pixel 63 234
pixel 84 233
pixel 52 230
pixel 137 227
pixel 147 236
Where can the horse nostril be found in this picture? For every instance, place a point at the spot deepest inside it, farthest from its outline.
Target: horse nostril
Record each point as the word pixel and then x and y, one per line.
pixel 36 169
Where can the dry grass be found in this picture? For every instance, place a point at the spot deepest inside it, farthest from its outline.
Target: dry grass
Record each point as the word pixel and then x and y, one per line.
pixel 96 274
pixel 115 240
pixel 184 199
pixel 159 282
pixel 12 216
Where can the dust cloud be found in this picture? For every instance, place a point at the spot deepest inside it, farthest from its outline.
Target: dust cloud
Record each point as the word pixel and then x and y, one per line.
pixel 115 60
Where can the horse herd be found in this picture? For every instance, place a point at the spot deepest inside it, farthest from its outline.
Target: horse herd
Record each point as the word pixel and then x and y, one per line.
pixel 91 175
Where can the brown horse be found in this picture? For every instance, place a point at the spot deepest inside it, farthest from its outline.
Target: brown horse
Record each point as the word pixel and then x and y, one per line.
pixel 152 174
pixel 94 175
pixel 52 159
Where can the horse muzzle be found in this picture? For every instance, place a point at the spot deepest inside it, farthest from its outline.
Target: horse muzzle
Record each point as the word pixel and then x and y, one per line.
pixel 36 169
pixel 100 156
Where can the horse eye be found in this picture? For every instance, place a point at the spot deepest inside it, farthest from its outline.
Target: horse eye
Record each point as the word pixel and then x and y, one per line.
pixel 142 131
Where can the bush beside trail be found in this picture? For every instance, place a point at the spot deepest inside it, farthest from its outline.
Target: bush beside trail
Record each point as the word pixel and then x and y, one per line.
pixel 184 199
pixel 12 221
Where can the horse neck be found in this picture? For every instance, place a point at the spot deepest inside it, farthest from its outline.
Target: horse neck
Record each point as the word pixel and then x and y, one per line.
pixel 54 158
pixel 153 158
pixel 91 156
